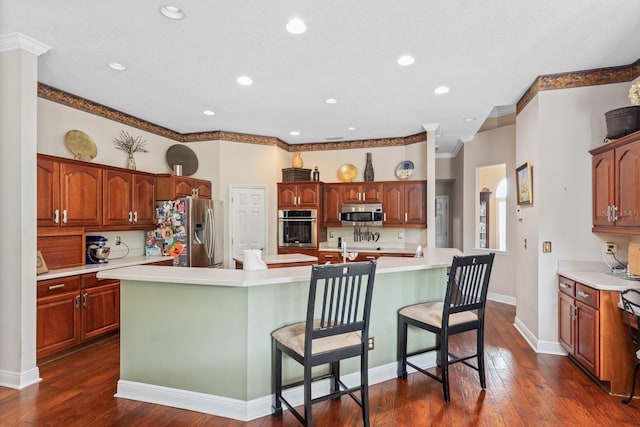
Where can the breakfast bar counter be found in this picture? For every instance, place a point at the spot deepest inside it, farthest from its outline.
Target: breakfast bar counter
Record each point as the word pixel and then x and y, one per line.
pixel 200 338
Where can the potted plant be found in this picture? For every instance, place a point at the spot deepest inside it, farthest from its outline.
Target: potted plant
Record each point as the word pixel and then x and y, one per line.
pixel 130 145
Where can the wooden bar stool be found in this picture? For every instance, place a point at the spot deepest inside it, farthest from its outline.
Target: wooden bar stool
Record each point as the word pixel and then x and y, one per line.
pixel 337 327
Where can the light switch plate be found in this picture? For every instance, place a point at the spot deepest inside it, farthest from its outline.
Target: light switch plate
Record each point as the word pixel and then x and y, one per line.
pixel 546 247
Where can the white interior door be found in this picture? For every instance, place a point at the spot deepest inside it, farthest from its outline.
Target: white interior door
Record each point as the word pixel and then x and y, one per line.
pixel 248 220
pixel 442 222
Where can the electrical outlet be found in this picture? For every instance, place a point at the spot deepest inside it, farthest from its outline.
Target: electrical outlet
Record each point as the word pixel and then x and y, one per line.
pixel 400 235
pixel 332 234
pixel 610 248
pixel 118 241
pixel 371 342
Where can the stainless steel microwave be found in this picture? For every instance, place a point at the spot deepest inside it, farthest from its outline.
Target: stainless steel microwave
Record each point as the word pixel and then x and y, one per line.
pixel 362 214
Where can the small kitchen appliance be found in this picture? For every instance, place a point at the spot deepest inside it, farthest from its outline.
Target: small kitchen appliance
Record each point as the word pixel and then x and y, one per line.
pixel 97 249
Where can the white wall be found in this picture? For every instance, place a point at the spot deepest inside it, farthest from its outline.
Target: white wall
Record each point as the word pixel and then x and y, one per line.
pixel 554 132
pixel 486 149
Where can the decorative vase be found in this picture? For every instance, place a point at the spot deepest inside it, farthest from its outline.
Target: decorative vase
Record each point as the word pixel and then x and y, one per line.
pixel 622 121
pixel 131 162
pixel 297 160
pixel 368 169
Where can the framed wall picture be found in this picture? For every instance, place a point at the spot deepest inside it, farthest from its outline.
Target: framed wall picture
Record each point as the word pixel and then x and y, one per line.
pixel 41 266
pixel 524 184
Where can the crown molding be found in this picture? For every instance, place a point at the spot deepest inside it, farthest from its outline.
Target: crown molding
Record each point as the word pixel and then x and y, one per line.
pixel 14 41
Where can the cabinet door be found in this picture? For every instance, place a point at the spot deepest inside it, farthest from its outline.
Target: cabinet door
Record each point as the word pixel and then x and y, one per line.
pixel 393 203
pixel 603 181
pixel 587 337
pixel 203 188
pixel 58 323
pixel 372 192
pixel 331 203
pixel 80 195
pixel 144 202
pixel 308 195
pixel 566 329
pixel 100 310
pixel 415 202
pixel 287 196
pixel 117 198
pixel 351 193
pixel 628 185
pixel 48 193
pixel 183 186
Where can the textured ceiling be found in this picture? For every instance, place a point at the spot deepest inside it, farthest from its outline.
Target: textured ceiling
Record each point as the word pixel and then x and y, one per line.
pixel 487 51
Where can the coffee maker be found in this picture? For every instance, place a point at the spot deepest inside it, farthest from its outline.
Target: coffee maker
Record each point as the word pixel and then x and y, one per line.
pixel 97 251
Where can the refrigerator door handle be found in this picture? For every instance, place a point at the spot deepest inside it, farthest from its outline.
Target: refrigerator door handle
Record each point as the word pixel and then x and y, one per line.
pixel 196 238
pixel 211 227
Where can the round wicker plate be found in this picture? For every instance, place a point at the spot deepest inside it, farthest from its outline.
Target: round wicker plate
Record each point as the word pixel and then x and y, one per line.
pixel 81 145
pixel 347 172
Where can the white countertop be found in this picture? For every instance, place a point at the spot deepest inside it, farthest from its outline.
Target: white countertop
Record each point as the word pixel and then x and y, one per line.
pixel 433 258
pixel 92 268
pixel 282 258
pixel 596 275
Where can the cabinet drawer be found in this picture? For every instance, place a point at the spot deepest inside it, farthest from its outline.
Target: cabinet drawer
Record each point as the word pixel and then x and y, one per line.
pixel 91 281
pixel 58 286
pixel 588 295
pixel 567 286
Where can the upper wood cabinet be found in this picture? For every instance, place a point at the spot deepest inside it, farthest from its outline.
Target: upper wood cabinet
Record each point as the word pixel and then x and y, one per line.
pixel 299 195
pixel 616 185
pixel 129 198
pixel 405 203
pixel 169 187
pixel 362 192
pixel 69 193
pixel 331 205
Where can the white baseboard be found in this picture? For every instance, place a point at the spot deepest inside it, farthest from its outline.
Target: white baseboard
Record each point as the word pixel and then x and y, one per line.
pixel 19 380
pixel 505 299
pixel 546 347
pixel 252 409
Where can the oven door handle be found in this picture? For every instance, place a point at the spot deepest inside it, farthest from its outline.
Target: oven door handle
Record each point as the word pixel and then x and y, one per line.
pixel 298 219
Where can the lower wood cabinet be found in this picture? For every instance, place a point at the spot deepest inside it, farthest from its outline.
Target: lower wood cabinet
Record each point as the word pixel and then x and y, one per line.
pixel 73 310
pixel 591 329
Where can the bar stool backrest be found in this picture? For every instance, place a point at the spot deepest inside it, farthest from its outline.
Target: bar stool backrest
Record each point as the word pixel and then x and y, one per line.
pixel 468 283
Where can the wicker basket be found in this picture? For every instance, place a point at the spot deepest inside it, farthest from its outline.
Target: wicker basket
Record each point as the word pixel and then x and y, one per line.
pixel 296 174
pixel 622 121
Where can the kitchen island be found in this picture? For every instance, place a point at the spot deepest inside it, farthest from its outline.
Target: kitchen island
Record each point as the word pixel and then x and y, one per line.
pixel 199 339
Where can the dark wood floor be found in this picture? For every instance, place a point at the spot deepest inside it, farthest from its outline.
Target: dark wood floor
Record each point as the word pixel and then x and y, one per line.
pixel 523 389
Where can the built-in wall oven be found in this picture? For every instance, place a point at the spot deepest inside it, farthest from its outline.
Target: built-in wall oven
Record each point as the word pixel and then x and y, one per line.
pixel 298 228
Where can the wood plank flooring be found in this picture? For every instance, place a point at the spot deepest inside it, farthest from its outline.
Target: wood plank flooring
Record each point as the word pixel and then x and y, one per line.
pixel 523 389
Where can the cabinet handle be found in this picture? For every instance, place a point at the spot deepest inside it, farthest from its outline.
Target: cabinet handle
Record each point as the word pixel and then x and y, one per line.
pixel 298 202
pixel 614 213
pixel 405 217
pixel 370 257
pixel 609 213
pixel 85 299
pixel 564 285
pixel 64 216
pixel 54 287
pixel 56 216
pixel 583 294
pixel 135 216
pixel 384 216
pixel 77 301
pixel 130 217
pixel 573 312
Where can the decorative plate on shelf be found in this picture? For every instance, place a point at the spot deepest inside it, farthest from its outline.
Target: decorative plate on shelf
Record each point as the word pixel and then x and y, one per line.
pixel 404 169
pixel 347 172
pixel 81 145
pixel 180 154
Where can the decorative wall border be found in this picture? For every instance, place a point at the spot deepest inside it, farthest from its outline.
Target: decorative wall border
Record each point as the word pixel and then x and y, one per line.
pixel 61 97
pixel 598 76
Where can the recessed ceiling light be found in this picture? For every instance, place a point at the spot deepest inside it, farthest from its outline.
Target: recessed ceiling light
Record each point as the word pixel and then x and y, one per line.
pixel 441 90
pixel 117 66
pixel 294 133
pixel 208 113
pixel 171 12
pixel 469 119
pixel 406 60
pixel 244 81
pixel 331 101
pixel 296 26
pixel 351 128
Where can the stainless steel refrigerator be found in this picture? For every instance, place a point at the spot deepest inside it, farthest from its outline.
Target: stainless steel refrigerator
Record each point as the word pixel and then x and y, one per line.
pixel 190 230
